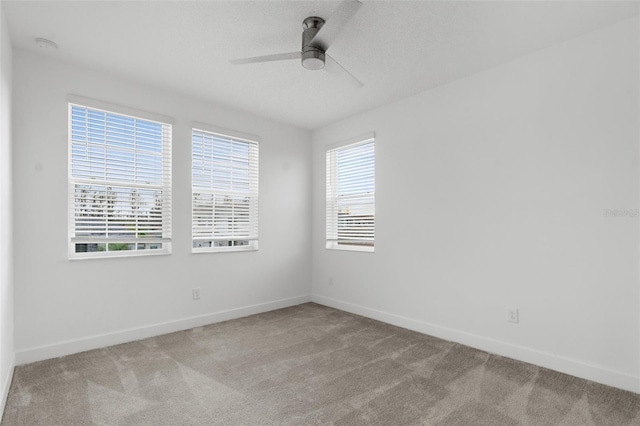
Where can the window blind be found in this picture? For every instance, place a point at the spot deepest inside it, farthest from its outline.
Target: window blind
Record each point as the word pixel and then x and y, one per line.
pixel 120 184
pixel 351 196
pixel 224 192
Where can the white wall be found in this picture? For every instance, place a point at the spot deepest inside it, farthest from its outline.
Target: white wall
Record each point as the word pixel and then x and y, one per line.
pixel 6 230
pixel 491 194
pixel 65 306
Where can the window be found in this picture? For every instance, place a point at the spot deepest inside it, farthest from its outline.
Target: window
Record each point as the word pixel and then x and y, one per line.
pixel 351 196
pixel 224 172
pixel 119 183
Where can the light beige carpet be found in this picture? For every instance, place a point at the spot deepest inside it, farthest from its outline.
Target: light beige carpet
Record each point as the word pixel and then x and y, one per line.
pixel 305 365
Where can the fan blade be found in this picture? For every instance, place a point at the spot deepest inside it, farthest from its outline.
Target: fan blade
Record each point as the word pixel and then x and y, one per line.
pixel 267 58
pixel 333 67
pixel 336 22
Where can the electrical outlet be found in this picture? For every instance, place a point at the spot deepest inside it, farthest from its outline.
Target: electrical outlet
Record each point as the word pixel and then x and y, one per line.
pixel 513 316
pixel 331 281
pixel 195 293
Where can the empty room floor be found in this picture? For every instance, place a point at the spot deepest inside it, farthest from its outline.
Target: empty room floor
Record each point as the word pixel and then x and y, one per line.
pixel 307 364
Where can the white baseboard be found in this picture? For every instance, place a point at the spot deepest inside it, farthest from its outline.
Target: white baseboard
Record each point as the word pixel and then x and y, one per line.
pixel 543 359
pixel 40 353
pixel 6 385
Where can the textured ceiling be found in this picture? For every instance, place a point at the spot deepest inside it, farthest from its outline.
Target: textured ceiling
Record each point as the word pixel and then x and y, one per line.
pixel 396 48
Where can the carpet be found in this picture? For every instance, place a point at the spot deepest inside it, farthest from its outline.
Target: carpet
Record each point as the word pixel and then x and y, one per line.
pixel 305 365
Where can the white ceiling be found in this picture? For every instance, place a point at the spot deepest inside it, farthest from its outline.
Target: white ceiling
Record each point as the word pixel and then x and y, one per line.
pixel 396 48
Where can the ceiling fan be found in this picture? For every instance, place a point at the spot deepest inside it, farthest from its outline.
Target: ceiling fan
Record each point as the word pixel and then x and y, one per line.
pixel 317 37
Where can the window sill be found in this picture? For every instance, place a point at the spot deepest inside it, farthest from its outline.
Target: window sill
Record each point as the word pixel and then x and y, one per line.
pixel 101 255
pixel 222 249
pixel 335 246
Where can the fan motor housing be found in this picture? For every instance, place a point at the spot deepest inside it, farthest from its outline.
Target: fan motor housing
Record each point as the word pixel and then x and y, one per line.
pixel 312 55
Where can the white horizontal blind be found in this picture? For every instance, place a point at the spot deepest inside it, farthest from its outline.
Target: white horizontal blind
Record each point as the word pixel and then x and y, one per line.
pixel 224 192
pixel 120 184
pixel 351 195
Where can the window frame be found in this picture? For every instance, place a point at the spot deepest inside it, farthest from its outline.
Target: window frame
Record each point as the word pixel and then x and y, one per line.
pixel 330 243
pixel 166 185
pixel 234 135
